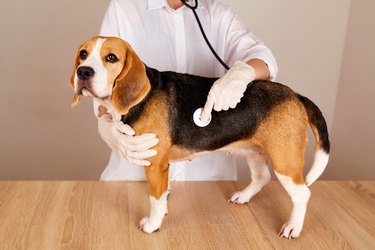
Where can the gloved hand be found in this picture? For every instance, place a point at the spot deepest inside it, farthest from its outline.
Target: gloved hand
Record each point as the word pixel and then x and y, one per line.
pixel 121 139
pixel 227 91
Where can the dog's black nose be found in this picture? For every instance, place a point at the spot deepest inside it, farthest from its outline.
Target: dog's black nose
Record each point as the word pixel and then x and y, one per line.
pixel 85 73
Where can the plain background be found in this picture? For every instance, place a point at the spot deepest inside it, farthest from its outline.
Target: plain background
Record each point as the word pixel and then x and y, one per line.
pixel 325 50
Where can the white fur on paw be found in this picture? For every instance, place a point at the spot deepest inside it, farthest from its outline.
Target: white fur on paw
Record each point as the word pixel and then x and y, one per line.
pixel 290 230
pixel 239 198
pixel 147 226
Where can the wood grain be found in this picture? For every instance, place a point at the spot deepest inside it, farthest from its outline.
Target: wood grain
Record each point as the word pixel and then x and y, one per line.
pixel 105 215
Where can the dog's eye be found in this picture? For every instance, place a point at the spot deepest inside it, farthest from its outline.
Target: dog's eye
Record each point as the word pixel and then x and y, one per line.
pixel 83 54
pixel 111 58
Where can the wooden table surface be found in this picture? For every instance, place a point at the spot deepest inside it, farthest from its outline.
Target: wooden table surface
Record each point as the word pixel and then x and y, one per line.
pixel 105 215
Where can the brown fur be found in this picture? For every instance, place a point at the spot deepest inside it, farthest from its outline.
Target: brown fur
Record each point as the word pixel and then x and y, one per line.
pixel 285 142
pixel 157 174
pixel 132 84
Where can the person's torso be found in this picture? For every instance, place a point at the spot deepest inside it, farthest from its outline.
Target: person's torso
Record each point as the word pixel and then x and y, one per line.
pixel 170 40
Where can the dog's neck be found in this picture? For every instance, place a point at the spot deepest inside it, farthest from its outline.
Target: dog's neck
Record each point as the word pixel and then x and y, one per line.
pixel 134 111
pixel 107 103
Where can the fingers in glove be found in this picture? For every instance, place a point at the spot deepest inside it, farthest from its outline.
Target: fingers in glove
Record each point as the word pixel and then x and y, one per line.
pixel 149 139
pixel 226 107
pixel 145 145
pixel 144 137
pixel 219 104
pixel 136 157
pixel 142 155
pixel 138 143
pixel 139 157
pixel 125 128
pixel 207 109
pixel 139 162
pixel 233 105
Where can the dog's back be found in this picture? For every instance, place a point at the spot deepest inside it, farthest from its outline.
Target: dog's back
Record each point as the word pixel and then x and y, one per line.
pixel 186 93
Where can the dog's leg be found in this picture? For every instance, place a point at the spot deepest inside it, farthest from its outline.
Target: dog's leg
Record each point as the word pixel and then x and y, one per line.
pixel 299 194
pixel 287 162
pixel 260 176
pixel 157 177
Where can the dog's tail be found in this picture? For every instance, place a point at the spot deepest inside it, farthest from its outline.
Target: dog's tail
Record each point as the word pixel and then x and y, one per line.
pixel 320 131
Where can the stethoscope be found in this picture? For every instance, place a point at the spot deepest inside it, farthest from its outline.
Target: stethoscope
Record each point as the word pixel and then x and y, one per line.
pixel 198 112
pixel 202 31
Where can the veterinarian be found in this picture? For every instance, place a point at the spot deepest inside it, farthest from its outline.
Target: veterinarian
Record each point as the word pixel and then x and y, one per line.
pixel 166 36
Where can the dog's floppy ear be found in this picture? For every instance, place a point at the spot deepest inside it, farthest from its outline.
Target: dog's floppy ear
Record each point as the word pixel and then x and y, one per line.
pixel 76 97
pixel 132 84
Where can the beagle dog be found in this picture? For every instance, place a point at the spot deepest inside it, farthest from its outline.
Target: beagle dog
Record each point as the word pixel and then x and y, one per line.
pixel 269 125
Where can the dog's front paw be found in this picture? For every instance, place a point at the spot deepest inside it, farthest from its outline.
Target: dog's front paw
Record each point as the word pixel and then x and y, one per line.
pixel 240 197
pixel 290 230
pixel 147 226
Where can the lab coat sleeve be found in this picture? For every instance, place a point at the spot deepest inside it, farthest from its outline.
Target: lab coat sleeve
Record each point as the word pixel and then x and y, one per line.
pixel 243 45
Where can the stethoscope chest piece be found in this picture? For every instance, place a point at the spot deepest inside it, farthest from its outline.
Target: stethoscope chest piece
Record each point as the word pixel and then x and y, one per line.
pixel 198 121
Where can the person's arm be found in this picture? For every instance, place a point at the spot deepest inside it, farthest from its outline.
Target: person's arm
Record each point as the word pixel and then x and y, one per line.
pixel 261 69
pixel 228 90
pixel 251 60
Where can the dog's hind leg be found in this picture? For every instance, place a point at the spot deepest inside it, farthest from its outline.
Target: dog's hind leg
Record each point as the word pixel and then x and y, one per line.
pixel 288 166
pixel 260 176
pixel 299 194
pixel 157 177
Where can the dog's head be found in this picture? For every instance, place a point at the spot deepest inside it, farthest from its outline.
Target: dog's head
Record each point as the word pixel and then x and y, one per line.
pixel 108 69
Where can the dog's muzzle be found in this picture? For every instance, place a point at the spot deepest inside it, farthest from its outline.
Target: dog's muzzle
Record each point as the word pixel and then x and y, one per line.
pixel 85 73
pixel 84 85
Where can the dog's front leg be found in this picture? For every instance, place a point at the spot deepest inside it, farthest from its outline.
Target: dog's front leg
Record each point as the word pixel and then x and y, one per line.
pixel 157 177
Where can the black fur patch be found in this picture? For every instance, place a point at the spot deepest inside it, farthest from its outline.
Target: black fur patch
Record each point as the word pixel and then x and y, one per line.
pixel 316 118
pixel 186 93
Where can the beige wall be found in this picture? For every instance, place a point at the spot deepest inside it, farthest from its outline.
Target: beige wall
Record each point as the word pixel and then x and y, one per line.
pixel 42 138
pixel 353 133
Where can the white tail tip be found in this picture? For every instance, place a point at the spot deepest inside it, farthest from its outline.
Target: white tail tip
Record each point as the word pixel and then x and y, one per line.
pixel 320 163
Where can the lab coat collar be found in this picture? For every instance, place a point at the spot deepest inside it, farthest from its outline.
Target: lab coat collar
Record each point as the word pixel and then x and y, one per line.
pixel 158 4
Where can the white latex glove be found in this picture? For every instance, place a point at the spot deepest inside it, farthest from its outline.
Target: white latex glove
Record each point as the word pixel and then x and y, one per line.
pixel 121 139
pixel 228 90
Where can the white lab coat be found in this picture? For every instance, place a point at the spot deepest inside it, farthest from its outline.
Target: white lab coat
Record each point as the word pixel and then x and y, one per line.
pixel 170 40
